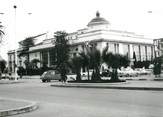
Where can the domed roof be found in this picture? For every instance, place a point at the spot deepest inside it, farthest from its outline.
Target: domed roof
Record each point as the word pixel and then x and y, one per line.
pixel 98 20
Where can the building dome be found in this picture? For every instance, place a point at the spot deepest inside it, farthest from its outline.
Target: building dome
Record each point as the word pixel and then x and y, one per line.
pixel 98 20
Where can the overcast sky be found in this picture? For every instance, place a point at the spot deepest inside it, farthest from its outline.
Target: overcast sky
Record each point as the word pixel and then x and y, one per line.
pixel 39 16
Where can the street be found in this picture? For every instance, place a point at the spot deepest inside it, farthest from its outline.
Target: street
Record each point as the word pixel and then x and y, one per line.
pixel 83 102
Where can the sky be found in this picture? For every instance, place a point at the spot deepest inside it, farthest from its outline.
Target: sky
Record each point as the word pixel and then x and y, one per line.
pixel 33 17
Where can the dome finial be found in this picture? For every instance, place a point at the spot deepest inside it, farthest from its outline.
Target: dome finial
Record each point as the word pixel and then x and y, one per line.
pixel 97 14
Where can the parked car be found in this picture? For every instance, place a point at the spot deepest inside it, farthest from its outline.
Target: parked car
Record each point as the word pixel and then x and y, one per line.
pixel 49 75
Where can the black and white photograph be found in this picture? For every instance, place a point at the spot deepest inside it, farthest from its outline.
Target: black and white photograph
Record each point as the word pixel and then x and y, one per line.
pixel 81 58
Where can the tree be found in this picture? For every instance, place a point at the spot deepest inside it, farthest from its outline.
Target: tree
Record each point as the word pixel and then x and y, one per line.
pixel 85 62
pixel 26 44
pixel 2 65
pixel 21 71
pixel 62 52
pixel 1 32
pixel 92 58
pixel 95 63
pixel 157 66
pixel 115 61
pixel 76 65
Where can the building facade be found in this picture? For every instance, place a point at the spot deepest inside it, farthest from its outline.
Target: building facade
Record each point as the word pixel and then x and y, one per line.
pixel 158 47
pixel 97 33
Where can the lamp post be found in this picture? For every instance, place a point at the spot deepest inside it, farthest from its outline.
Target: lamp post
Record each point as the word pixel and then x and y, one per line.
pixel 16 67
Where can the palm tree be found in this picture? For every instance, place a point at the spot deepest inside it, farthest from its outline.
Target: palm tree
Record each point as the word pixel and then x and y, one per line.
pixel 1 32
pixel 76 65
pixel 85 62
pixel 92 59
pixel 95 63
pixel 62 52
pixel 115 61
pixel 26 44
pixel 2 65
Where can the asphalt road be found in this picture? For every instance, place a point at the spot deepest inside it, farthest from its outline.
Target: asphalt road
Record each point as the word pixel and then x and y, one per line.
pixel 83 102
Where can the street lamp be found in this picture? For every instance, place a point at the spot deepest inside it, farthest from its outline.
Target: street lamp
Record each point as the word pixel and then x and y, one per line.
pixel 16 67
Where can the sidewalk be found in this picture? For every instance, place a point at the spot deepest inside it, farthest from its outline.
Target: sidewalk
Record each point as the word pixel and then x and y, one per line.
pixel 12 106
pixel 7 81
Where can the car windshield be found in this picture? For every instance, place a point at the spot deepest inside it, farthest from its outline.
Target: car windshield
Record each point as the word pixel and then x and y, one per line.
pixel 57 72
pixel 44 73
pixel 52 72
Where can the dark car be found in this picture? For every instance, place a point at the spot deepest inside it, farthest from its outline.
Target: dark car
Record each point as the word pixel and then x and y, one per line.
pixel 50 75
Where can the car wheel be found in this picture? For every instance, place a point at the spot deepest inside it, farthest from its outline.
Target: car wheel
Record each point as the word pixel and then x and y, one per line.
pixel 48 80
pixel 43 80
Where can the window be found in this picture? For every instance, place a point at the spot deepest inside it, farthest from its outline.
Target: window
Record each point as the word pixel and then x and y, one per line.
pixel 95 44
pixel 82 47
pixel 74 54
pixel 45 57
pixel 10 57
pixel 35 54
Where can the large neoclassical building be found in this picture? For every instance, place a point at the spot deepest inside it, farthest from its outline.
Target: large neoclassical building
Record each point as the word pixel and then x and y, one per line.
pixel 98 33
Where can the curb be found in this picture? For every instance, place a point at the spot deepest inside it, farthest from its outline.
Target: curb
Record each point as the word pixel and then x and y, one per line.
pixel 111 87
pixel 137 79
pixel 31 107
pixel 10 82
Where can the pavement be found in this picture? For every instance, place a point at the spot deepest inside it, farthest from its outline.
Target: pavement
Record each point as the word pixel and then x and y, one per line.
pixel 88 102
pixel 7 81
pixel 10 107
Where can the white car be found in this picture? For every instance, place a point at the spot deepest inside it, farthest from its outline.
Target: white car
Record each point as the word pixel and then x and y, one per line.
pixel 71 76
pixel 142 71
pixel 5 76
pixel 127 73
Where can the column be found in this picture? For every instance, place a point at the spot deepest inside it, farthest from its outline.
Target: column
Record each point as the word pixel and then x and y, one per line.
pixel 139 52
pixel 48 58
pixel 131 51
pixel 41 59
pixel 121 49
